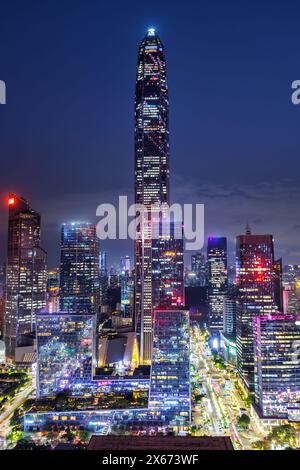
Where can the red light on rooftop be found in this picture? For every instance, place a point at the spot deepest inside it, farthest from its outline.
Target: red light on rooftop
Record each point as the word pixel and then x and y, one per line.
pixel 11 201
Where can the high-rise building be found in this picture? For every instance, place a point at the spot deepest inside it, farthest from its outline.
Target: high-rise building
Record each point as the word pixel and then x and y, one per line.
pixel 79 269
pixel 199 269
pixel 151 174
pixel 168 269
pixel 26 275
pixel 278 288
pixel 64 349
pixel 103 263
pixel 277 364
pixel 229 316
pixel 217 280
pixel 169 394
pixel 127 291
pixel 255 282
pixel 125 264
pixel 103 283
pixel 53 291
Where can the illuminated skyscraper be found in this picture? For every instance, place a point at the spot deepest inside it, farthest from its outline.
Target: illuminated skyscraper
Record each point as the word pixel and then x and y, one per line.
pixel 79 269
pixel 199 269
pixel 167 269
pixel 256 285
pixel 151 173
pixel 217 280
pixel 169 394
pixel 26 275
pixel 53 291
pixel 276 364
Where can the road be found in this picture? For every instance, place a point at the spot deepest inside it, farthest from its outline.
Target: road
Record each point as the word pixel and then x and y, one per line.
pixel 5 416
pixel 221 406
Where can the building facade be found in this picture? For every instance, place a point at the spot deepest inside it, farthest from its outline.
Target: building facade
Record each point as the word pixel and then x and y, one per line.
pixel 277 364
pixel 255 282
pixel 169 394
pixel 217 281
pixel 26 275
pixel 229 316
pixel 199 269
pixel 65 349
pixel 79 269
pixel 151 174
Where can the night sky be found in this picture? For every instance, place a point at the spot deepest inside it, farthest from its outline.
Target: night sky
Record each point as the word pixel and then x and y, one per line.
pixel 66 133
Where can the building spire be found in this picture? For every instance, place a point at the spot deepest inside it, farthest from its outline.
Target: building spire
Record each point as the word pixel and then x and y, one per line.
pixel 248 229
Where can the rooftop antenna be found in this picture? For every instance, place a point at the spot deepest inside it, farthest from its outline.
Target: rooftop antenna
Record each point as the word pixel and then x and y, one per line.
pixel 248 229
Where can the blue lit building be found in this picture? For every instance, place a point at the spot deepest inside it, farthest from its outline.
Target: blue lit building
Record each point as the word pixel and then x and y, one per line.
pixel 276 364
pixel 217 280
pixel 169 393
pixel 65 350
pixel 79 269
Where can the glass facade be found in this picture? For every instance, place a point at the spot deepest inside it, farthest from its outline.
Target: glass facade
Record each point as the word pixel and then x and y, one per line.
pixel 199 269
pixel 79 269
pixel 277 364
pixel 65 351
pixel 169 393
pixel 217 280
pixel 255 282
pixel 26 275
pixel 151 174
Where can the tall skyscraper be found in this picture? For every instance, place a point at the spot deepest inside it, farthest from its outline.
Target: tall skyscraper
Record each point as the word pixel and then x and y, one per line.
pixel 256 284
pixel 151 174
pixel 217 280
pixel 53 291
pixel 26 275
pixel 79 269
pixel 199 269
pixel 169 393
pixel 168 270
pixel 229 316
pixel 278 285
pixel 277 364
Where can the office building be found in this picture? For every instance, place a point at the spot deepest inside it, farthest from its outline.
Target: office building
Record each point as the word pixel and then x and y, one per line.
pixel 217 281
pixel 151 174
pixel 79 269
pixel 26 275
pixel 64 350
pixel 169 394
pixel 199 269
pixel 277 364
pixel 256 285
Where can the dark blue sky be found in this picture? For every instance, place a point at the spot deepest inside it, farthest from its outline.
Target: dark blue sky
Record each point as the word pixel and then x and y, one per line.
pixel 66 133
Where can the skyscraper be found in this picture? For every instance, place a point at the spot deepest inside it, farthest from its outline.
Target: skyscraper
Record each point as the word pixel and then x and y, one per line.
pixel 199 269
pixel 167 269
pixel 277 364
pixel 79 269
pixel 151 174
pixel 53 291
pixel 169 393
pixel 26 275
pixel 217 280
pixel 256 284
pixel 229 316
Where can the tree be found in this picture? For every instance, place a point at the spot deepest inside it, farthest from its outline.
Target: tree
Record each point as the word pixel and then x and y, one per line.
pixel 261 445
pixel 283 436
pixel 244 421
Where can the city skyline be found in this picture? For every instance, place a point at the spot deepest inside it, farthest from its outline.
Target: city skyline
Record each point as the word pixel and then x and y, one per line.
pixel 176 318
pixel 52 141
